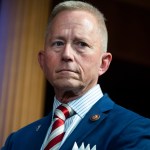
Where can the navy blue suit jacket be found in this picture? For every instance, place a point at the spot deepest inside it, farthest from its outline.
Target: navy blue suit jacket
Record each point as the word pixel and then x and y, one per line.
pixel 116 129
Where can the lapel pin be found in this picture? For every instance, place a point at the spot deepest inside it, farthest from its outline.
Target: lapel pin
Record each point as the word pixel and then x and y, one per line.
pixel 95 117
pixel 38 127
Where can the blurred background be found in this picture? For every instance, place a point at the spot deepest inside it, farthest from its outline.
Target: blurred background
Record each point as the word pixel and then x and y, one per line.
pixel 25 95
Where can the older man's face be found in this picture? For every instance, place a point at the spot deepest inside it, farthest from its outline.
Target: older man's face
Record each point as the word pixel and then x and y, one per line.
pixel 73 57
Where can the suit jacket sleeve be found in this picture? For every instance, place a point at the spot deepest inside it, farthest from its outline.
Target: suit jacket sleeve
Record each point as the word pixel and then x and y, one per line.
pixel 136 136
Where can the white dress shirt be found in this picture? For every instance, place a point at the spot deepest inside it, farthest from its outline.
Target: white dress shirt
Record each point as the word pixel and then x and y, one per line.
pixel 81 106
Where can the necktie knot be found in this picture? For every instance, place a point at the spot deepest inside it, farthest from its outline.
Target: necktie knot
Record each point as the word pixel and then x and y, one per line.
pixel 63 112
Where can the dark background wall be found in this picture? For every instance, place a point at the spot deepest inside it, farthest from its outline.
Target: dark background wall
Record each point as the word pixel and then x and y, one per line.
pixel 127 81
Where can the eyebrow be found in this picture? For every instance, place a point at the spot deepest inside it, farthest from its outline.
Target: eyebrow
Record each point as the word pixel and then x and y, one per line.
pixel 79 37
pixel 57 37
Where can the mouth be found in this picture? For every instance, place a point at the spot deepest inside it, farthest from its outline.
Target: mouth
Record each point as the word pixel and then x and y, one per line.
pixel 65 70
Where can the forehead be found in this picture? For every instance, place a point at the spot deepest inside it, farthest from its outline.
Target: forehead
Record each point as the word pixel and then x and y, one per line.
pixel 74 19
pixel 79 13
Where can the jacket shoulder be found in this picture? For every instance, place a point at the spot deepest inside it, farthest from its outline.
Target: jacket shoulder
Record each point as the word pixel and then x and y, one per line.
pixel 34 132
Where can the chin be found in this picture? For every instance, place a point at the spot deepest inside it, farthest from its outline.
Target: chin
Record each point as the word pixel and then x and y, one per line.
pixel 67 85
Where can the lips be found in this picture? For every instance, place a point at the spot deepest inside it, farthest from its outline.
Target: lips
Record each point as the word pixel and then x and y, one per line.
pixel 66 70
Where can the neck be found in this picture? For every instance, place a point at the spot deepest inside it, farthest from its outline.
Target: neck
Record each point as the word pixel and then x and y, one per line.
pixel 67 96
pixel 70 95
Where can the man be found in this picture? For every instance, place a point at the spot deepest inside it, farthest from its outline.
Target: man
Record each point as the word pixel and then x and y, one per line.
pixel 74 56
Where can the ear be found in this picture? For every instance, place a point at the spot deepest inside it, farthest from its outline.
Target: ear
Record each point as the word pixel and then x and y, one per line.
pixel 105 62
pixel 41 57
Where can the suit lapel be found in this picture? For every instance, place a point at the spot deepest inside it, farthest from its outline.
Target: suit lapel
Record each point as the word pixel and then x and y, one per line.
pixel 88 124
pixel 39 131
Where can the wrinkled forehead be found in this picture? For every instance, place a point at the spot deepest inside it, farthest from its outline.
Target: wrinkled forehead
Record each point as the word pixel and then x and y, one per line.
pixel 70 18
pixel 77 21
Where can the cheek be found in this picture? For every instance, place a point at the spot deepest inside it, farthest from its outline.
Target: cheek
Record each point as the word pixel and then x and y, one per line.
pixel 90 66
pixel 51 59
pixel 93 62
pixel 50 63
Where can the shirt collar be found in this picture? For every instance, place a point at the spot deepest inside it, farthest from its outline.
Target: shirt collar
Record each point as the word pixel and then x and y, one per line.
pixel 84 103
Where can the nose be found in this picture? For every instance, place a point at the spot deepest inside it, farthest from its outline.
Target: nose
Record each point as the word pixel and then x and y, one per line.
pixel 67 53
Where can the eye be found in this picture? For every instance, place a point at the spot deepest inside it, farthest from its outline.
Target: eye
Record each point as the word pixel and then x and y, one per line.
pixel 57 43
pixel 82 44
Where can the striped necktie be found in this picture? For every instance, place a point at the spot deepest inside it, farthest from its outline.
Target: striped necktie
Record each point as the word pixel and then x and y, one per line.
pixel 58 128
